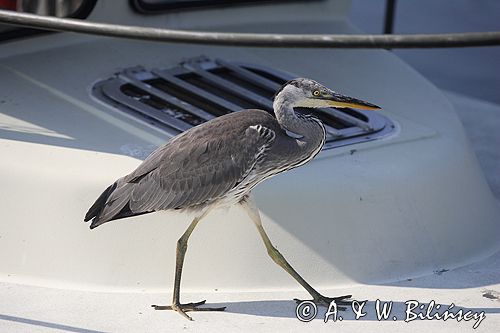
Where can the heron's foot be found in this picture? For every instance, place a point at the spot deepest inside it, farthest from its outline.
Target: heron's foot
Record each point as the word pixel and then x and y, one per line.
pixel 341 301
pixel 183 308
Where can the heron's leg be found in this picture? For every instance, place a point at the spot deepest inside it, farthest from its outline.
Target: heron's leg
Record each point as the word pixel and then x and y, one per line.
pixel 179 261
pixel 278 258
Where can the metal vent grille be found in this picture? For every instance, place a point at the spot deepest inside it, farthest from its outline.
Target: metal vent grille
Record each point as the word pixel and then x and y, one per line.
pixel 200 89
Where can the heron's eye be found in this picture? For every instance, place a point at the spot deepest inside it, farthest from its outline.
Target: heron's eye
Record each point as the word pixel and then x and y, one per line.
pixel 316 93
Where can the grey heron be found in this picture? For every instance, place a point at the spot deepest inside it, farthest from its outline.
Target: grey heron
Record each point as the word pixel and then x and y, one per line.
pixel 218 163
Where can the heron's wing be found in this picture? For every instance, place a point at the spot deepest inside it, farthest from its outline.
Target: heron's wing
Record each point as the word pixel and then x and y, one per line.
pixel 195 169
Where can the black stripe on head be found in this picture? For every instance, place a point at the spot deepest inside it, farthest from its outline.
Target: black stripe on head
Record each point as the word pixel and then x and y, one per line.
pixel 294 82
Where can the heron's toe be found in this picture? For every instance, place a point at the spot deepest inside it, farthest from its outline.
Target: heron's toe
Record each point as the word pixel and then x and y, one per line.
pixel 183 308
pixel 340 301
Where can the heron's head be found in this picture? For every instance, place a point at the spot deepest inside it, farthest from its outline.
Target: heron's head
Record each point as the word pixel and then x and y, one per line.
pixel 308 93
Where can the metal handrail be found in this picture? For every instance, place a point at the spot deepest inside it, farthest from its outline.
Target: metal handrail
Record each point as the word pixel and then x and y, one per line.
pixel 251 39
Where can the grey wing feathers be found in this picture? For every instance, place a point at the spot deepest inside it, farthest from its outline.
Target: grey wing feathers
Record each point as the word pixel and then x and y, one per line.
pixel 199 174
pixel 192 169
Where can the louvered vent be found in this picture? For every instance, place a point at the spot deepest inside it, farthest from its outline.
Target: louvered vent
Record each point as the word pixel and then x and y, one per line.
pixel 200 89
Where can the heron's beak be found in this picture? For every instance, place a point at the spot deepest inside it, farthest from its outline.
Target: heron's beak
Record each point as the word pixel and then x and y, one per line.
pixel 340 101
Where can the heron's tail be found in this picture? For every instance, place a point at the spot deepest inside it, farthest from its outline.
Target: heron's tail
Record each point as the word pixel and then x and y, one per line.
pixel 94 213
pixel 112 204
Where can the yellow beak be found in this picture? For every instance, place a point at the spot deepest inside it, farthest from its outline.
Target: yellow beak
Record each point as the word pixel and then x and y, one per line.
pixel 341 101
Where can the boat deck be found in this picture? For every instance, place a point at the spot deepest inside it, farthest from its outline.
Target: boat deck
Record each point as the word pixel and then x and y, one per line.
pixel 474 287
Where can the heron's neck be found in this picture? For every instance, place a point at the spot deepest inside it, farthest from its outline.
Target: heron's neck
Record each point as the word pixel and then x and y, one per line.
pixel 289 120
pixel 311 130
pixel 286 116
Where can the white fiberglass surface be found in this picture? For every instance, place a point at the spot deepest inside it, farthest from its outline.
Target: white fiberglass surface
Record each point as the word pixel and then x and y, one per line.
pixel 386 210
